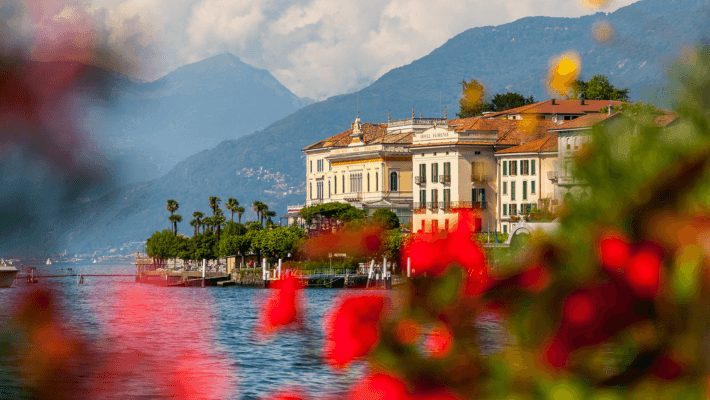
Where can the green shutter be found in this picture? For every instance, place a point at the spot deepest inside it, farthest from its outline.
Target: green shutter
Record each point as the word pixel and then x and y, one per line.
pixel 525 190
pixel 482 195
pixel 474 195
pixel 505 168
pixel 512 190
pixel 532 187
pixel 533 167
pixel 505 209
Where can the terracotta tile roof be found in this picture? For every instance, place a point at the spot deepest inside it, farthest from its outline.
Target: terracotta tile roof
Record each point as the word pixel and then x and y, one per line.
pixel 546 144
pixel 524 131
pixel 585 121
pixel 667 118
pixel 560 107
pixel 510 132
pixel 372 133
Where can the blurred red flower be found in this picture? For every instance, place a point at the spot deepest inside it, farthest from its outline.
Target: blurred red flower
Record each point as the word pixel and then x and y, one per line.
pixel 439 342
pixel 352 329
pixel 379 387
pixel 283 306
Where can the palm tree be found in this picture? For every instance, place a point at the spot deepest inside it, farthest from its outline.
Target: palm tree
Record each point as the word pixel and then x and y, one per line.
pixel 260 207
pixel 172 206
pixel 270 214
pixel 206 223
pixel 198 216
pixel 175 218
pixel 218 220
pixel 214 204
pixel 231 206
pixel 196 225
pixel 256 206
pixel 239 210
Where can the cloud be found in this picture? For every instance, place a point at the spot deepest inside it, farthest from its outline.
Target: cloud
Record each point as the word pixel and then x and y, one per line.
pixel 317 48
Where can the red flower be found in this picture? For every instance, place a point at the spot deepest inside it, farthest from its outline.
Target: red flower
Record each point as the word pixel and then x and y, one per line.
pixel 352 331
pixel 534 279
pixel 288 395
pixel 283 307
pixel 439 342
pixel 407 331
pixel 644 272
pixel 614 252
pixel 556 353
pixel 579 309
pixel 379 387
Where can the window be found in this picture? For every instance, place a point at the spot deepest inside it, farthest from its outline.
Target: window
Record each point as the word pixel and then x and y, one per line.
pixel 434 197
pixel 505 168
pixel 513 209
pixel 532 187
pixel 478 171
pixel 513 167
pixel 435 172
pixel 524 167
pixel 319 189
pixel 447 171
pixel 505 209
pixel 310 190
pixel 525 190
pixel 355 182
pixel 474 195
pixel 505 187
pixel 528 207
pixel 505 228
pixel 319 165
pixel 512 190
pixel 393 181
pixel 368 182
pixel 482 196
pixel 329 188
pixel 422 173
pixel 343 191
pixel 310 164
pixel 478 153
pixel 532 167
pixel 335 181
pixel 377 181
pixel 422 198
pixel 447 197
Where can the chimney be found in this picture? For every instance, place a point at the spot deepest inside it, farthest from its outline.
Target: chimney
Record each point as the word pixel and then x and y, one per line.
pixel 582 103
pixel 553 102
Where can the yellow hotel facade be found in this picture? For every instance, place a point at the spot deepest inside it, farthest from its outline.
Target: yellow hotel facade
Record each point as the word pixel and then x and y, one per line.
pixel 368 166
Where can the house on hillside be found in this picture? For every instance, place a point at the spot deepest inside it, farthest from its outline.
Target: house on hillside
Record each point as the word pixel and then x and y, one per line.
pixel 555 110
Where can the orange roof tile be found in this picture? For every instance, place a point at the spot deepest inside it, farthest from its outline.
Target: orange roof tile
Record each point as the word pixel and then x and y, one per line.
pixel 371 133
pixel 560 107
pixel 545 144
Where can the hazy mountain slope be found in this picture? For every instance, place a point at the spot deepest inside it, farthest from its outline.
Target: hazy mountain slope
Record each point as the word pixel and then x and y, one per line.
pixel 269 165
pixel 152 126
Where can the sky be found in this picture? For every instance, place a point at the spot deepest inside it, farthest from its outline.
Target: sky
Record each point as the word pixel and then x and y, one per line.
pixel 316 48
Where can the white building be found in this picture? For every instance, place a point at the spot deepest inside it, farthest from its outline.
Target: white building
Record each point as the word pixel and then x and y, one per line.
pixel 455 168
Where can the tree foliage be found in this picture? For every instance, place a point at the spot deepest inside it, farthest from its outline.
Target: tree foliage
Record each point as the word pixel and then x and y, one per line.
pixel 335 212
pixel 384 218
pixel 598 88
pixel 473 100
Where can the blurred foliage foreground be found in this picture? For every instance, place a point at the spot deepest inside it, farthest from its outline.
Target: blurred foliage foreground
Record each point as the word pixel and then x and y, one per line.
pixel 613 305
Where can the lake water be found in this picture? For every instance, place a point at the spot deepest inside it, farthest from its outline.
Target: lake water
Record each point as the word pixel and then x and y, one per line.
pixel 149 342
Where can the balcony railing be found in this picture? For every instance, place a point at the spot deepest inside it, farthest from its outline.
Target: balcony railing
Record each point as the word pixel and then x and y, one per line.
pixel 353 196
pixel 445 178
pixel 419 208
pixel 419 179
pixel 481 205
pixel 432 205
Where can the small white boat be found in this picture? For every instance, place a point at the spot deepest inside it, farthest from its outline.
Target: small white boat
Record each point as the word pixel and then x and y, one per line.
pixel 49 262
pixel 93 261
pixel 7 274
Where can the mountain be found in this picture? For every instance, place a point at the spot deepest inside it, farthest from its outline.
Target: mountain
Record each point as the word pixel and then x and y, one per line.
pixel 151 126
pixel 269 165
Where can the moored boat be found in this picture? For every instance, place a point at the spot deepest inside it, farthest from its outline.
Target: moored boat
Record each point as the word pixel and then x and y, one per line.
pixel 7 274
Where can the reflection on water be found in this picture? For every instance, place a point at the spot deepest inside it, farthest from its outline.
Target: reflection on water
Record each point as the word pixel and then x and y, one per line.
pixel 155 342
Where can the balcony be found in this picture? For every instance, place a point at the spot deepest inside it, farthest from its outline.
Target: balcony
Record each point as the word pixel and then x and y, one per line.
pixel 445 205
pixel 445 178
pixel 432 205
pixel 419 179
pixel 353 197
pixel 479 205
pixel 419 208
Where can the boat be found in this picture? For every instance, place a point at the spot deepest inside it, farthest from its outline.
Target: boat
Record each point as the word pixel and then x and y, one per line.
pixel 7 274
pixel 49 262
pixel 93 260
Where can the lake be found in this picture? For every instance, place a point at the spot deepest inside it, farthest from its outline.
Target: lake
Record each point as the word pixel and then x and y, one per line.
pixel 149 342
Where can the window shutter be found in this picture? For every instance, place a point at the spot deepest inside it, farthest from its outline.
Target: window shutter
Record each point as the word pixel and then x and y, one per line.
pixel 505 168
pixel 474 197
pixel 533 167
pixel 482 195
pixel 532 187
pixel 512 190
pixel 505 209
pixel 525 190
pixel 505 187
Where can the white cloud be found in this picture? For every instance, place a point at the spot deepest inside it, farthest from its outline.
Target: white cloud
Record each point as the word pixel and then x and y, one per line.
pixel 318 48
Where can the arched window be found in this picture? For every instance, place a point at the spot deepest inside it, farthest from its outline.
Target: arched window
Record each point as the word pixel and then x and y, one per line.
pixel 336 184
pixel 368 181
pixel 393 181
pixel 377 181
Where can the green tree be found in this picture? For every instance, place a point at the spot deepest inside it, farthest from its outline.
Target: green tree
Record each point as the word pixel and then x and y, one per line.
pixel 162 245
pixel 194 225
pixel 214 204
pixel 598 88
pixel 331 214
pixel 175 218
pixel 252 226
pixel 281 241
pixel 269 214
pixel 385 219
pixel 218 220
pixel 172 206
pixel 260 207
pixel 233 245
pixel 207 224
pixel 231 206
pixel 502 102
